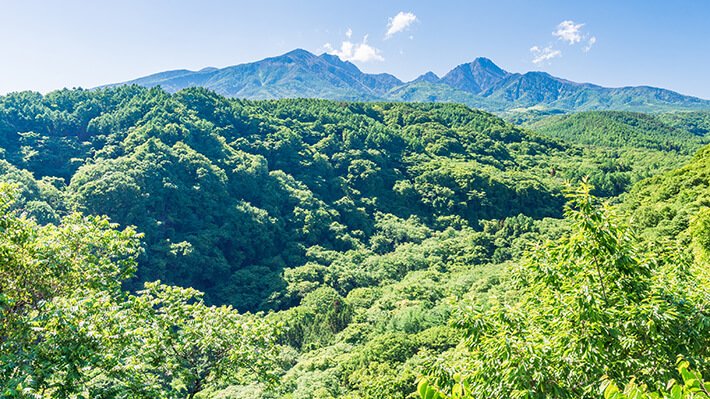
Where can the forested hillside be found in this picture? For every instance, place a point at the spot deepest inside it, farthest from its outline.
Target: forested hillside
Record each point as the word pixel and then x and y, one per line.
pixel 377 243
pixel 231 192
pixel 680 131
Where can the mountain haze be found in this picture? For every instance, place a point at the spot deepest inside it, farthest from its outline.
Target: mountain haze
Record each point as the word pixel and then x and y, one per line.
pixel 480 83
pixel 297 73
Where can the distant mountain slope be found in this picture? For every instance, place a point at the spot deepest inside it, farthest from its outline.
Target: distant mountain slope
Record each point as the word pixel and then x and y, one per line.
pixel 507 91
pixel 666 132
pixel 481 83
pixel 429 77
pixel 423 91
pixel 697 122
pixel 294 74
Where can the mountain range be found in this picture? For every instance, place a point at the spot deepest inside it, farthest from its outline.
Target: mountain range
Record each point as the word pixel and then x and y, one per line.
pixel 480 83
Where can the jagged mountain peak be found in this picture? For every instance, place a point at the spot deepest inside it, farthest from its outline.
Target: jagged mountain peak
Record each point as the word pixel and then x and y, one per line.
pixel 429 77
pixel 477 76
pixel 298 53
pixel 485 64
pixel 479 83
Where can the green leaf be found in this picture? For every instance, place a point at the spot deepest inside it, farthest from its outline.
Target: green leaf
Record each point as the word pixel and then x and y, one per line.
pixel 610 390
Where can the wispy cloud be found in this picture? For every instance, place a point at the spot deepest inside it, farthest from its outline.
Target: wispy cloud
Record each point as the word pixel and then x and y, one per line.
pixel 399 22
pixel 358 52
pixel 572 33
pixel 569 31
pixel 541 55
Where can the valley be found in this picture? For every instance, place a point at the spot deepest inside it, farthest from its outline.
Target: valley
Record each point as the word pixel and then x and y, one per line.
pixel 349 249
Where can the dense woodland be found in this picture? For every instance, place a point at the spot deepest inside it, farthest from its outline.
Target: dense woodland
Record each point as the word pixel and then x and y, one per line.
pixel 157 245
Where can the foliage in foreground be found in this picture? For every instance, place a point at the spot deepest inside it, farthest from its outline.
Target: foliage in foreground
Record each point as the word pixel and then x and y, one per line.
pixel 589 306
pixel 692 387
pixel 68 329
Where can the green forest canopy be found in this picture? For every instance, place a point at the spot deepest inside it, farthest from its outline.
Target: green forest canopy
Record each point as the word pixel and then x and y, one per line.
pixel 357 227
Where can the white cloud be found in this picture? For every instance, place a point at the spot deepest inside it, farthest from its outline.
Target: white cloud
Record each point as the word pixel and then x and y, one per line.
pixel 569 32
pixel 349 33
pixel 359 52
pixel 399 23
pixel 544 54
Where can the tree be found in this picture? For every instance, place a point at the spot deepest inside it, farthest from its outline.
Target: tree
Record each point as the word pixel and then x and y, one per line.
pixel 41 267
pixel 590 305
pixel 67 329
pixel 693 387
pixel 184 347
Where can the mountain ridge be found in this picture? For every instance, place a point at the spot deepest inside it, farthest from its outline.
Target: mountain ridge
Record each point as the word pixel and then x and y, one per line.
pixel 480 83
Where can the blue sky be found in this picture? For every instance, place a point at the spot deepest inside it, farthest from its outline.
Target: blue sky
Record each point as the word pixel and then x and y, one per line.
pixel 52 44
